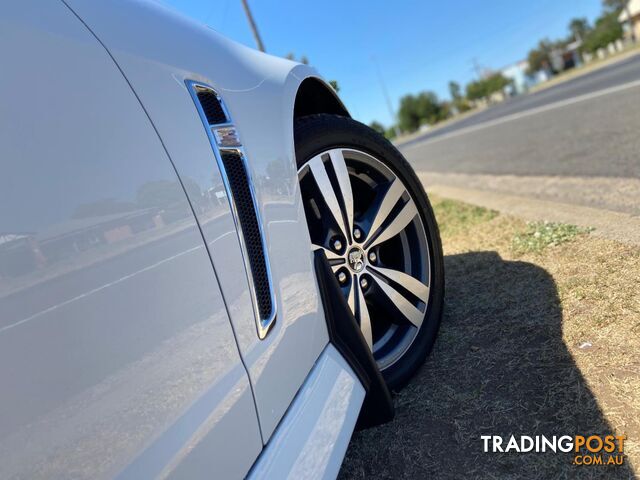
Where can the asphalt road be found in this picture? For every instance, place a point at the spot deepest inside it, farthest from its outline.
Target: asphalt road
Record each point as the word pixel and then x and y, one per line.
pixel 613 75
pixel 581 137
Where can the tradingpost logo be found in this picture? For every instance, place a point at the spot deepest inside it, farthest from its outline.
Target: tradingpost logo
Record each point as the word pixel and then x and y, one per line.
pixel 586 449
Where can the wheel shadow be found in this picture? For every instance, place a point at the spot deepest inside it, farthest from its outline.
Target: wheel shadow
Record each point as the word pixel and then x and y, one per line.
pixel 499 367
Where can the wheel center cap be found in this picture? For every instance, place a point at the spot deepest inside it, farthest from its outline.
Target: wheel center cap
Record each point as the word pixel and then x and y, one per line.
pixel 355 258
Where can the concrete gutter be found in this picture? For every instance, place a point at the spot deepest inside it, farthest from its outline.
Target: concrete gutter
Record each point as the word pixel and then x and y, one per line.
pixel 621 227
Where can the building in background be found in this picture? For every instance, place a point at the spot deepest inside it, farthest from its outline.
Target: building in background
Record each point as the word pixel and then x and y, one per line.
pixel 521 81
pixel 633 23
pixel 566 57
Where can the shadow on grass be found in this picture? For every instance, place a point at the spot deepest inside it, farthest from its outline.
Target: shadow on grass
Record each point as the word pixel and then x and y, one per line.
pixel 499 367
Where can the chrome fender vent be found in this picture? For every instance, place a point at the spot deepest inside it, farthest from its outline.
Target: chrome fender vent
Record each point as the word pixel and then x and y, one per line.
pixel 231 160
pixel 211 106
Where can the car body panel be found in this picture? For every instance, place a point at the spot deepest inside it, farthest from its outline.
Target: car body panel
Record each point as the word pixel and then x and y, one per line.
pixel 313 437
pixel 117 356
pixel 158 51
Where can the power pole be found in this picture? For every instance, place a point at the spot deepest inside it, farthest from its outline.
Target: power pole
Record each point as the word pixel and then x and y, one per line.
pixel 396 128
pixel 477 68
pixel 252 24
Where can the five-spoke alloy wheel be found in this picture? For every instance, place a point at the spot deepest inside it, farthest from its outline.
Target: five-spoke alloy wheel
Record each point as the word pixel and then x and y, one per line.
pixel 369 214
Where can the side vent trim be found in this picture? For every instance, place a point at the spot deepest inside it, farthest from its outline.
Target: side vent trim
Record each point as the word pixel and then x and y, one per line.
pixel 211 105
pixel 231 160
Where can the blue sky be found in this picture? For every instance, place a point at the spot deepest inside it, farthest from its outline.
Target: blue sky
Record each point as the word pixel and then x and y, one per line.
pixel 419 45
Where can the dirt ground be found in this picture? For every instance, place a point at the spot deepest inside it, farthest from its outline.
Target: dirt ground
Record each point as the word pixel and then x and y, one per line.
pixel 540 336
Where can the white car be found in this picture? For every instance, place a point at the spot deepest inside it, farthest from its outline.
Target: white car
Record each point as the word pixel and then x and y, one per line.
pixel 207 268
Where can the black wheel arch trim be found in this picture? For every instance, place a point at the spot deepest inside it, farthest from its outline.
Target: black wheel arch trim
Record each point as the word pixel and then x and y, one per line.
pixel 315 96
pixel 346 337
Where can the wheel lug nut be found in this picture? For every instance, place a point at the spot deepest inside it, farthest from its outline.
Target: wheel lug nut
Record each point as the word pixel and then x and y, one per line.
pixel 357 233
pixel 342 277
pixel 373 257
pixel 337 245
pixel 364 283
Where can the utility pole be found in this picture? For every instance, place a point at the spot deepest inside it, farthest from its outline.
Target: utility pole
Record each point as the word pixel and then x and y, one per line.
pixel 396 128
pixel 252 24
pixel 477 68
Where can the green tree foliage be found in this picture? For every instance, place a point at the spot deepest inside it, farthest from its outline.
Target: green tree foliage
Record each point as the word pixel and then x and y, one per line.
pixel 378 127
pixel 454 91
pixel 462 105
pixel 291 56
pixel 390 133
pixel 497 82
pixel 334 85
pixel 475 90
pixel 538 57
pixel 458 101
pixel 416 110
pixel 487 86
pixel 579 28
pixel 614 5
pixel 445 110
pixel 607 29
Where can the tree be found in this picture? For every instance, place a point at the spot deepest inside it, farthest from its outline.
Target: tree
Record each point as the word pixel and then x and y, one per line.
pixel 334 85
pixel 454 91
pixel 476 90
pixel 615 5
pixel 420 109
pixel 457 99
pixel 497 83
pixel 378 127
pixel 408 115
pixel 538 57
pixel 445 111
pixel 579 27
pixel 607 29
pixel 291 56
pixel 390 133
pixel 487 86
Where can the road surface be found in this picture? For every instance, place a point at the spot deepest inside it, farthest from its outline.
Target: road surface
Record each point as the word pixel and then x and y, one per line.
pixel 577 142
pixel 611 76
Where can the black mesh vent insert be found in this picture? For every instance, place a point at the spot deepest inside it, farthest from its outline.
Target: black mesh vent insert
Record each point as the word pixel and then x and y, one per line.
pixel 239 184
pixel 211 106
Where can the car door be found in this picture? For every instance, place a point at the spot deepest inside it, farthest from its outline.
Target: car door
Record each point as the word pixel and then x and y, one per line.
pixel 117 357
pixel 163 55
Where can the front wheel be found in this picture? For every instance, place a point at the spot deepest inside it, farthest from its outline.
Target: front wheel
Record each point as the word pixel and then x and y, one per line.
pixel 367 210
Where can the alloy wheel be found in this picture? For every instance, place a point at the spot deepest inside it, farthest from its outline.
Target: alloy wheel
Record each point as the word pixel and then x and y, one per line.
pixel 365 220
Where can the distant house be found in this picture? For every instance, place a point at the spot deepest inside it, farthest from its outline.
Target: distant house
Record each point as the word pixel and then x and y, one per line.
pixel 517 73
pixel 521 81
pixel 631 24
pixel 566 57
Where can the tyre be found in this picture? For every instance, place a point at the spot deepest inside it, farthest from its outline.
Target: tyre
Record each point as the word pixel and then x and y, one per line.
pixel 367 210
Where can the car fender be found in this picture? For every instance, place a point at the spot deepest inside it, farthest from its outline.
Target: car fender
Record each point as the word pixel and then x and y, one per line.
pixel 159 52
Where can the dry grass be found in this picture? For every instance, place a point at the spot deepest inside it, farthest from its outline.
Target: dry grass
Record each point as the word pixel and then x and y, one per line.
pixel 509 359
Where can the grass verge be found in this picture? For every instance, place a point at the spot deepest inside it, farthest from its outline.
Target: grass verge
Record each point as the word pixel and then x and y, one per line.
pixel 541 336
pixel 539 235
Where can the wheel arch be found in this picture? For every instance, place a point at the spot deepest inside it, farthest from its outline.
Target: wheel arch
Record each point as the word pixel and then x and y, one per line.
pixel 315 96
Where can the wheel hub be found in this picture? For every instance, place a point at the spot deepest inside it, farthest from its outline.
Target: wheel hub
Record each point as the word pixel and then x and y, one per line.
pixel 355 259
